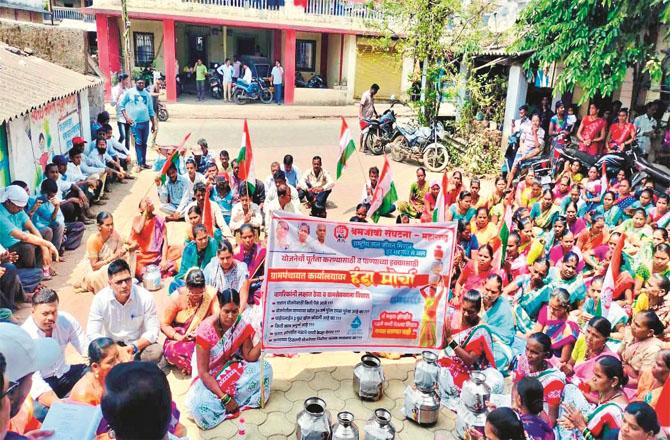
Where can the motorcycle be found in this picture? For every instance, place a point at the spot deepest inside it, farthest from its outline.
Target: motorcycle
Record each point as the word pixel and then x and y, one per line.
pixel 315 82
pixel 162 112
pixel 255 91
pixel 423 144
pixel 215 86
pixel 380 132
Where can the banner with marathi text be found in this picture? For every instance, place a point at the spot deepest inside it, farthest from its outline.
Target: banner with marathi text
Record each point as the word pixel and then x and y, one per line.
pixel 355 286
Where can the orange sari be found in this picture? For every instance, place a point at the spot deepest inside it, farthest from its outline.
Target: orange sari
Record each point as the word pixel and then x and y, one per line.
pixel 150 243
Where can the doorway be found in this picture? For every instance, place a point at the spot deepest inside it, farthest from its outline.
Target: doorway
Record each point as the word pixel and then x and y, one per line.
pixel 197 49
pixel 245 46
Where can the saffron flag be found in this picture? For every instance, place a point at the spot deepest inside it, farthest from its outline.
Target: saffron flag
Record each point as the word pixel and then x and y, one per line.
pixel 385 194
pixel 173 159
pixel 607 291
pixel 208 217
pixel 347 147
pixel 246 161
pixel 440 211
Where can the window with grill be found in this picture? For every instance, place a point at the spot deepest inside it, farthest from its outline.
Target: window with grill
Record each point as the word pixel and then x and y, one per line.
pixel 305 55
pixel 144 49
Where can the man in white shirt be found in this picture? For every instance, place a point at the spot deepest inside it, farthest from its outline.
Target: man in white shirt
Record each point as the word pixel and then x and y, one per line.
pixel 646 125
pixel 45 321
pixel 283 202
pixel 315 186
pixel 247 77
pixel 117 150
pixel 280 179
pixel 245 211
pixel 117 94
pixel 126 313
pixel 270 180
pixel 193 177
pixel 278 81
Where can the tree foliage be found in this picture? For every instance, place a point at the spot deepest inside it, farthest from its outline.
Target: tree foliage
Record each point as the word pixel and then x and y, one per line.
pixel 596 41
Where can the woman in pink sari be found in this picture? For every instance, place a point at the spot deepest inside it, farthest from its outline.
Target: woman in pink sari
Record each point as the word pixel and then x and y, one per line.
pixel 228 375
pixel 429 202
pixel 591 133
pixel 475 273
pixel 183 314
pixel 253 255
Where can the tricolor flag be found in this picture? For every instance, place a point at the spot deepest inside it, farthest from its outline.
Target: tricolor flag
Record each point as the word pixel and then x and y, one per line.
pixel 173 159
pixel 246 161
pixel 663 221
pixel 503 234
pixel 440 211
pixel 347 148
pixel 385 194
pixel 207 217
pixel 607 291
pixel 603 181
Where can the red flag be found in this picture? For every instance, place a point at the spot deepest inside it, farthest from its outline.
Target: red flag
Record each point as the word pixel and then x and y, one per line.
pixel 664 402
pixel 208 220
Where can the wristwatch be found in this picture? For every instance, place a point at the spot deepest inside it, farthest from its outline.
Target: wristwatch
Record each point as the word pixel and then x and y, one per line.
pixel 453 344
pixel 135 349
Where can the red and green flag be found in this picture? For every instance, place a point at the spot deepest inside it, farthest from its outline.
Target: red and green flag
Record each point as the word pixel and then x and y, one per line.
pixel 385 194
pixel 347 147
pixel 246 161
pixel 173 159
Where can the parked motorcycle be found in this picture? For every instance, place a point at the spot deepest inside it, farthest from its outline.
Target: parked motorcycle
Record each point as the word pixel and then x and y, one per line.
pixel 315 82
pixel 423 144
pixel 380 132
pixel 257 90
pixel 162 112
pixel 215 86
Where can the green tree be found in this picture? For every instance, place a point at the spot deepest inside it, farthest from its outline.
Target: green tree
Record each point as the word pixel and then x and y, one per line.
pixel 441 35
pixel 596 41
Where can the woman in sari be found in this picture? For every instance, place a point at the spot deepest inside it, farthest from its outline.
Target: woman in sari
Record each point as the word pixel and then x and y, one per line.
pixel 474 274
pixel 252 254
pixel 660 265
pixel 523 188
pixel 561 190
pixel 498 194
pixel 621 134
pixel 625 198
pixel 468 347
pixel 544 212
pixel 102 248
pixel 641 345
pixel 475 186
pixel 182 315
pixel 636 228
pixel 535 363
pixel 228 374
pixel 612 213
pixel 593 190
pixel 462 209
pixel 528 401
pixel 652 379
pixel 197 253
pixel 429 202
pixel 593 237
pixel 432 295
pixel 193 217
pixel 552 320
pixel 559 129
pixel 225 272
pixel 482 227
pixel 566 246
pixel 591 132
pixel 534 293
pixel 580 419
pixel 103 355
pixel 149 235
pixel 654 296
pixel 658 217
pixel 417 192
pixel 454 188
pixel 574 224
pixel 615 315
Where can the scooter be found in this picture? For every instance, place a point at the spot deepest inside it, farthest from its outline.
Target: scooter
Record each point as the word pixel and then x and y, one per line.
pixel 257 90
pixel 423 144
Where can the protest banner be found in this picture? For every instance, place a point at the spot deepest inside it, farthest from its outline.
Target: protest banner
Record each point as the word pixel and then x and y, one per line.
pixel 355 286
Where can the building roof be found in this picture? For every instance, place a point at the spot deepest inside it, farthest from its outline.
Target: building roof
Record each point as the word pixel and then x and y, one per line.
pixel 29 82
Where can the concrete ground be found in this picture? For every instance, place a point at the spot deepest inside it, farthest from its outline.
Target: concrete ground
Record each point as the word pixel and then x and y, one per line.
pixel 327 375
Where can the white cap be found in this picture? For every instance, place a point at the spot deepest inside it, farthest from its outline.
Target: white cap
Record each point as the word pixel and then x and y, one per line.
pixel 23 354
pixel 16 195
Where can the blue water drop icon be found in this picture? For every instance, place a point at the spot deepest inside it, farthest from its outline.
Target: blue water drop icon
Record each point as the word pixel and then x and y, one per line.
pixel 356 323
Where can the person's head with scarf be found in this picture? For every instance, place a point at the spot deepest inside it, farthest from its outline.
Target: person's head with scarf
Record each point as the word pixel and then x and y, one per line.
pixel 434 188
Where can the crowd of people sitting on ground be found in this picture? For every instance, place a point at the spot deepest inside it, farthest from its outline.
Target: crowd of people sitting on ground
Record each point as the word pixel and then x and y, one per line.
pixel 562 288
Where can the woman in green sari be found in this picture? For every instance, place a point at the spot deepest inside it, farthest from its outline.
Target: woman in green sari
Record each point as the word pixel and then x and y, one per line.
pixel 544 212
pixel 197 253
pixel 417 193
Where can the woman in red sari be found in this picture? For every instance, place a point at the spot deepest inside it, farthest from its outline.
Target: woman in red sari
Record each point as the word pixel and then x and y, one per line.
pixel 591 133
pixel 149 235
pixel 429 202
pixel 469 347
pixel 621 133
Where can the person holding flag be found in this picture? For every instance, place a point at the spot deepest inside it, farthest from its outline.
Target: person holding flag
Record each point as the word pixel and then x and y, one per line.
pixel 385 194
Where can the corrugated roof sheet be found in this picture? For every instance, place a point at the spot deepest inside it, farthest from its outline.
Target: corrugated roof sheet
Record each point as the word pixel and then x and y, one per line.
pixel 28 82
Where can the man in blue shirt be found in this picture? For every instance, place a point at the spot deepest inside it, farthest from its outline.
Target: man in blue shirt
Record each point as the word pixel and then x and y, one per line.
pixel 174 194
pixel 292 172
pixel 17 232
pixel 138 109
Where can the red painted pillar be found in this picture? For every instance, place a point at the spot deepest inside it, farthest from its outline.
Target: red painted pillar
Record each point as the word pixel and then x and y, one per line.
pixel 102 30
pixel 289 66
pixel 276 46
pixel 114 45
pixel 170 57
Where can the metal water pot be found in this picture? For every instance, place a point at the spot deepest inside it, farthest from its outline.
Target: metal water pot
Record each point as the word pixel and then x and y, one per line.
pixel 475 392
pixel 345 428
pixel 152 278
pixel 369 378
pixel 313 422
pixel 379 426
pixel 426 371
pixel 422 406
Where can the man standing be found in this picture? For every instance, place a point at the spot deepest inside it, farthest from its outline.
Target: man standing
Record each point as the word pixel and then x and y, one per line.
pixel 126 313
pixel 117 94
pixel 366 110
pixel 138 110
pixel 237 65
pixel 200 77
pixel 647 126
pixel 315 186
pixel 545 113
pixel 46 321
pixel 277 81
